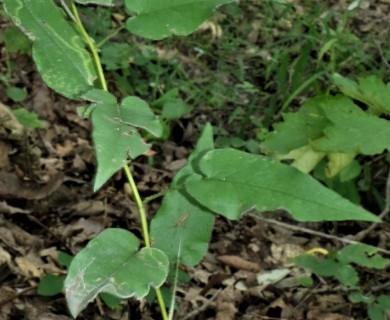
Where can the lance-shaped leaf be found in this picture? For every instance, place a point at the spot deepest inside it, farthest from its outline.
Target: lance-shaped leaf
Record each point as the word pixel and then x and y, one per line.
pixel 158 19
pixel 98 2
pixel 58 50
pixel 111 263
pixel 370 90
pixel 180 221
pixel 234 182
pixel 115 132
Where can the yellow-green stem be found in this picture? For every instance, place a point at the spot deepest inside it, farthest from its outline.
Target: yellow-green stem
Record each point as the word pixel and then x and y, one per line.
pixel 138 201
pixel 140 205
pixel 91 45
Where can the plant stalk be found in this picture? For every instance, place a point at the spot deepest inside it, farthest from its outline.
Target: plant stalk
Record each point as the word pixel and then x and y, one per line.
pixel 129 176
pixel 91 45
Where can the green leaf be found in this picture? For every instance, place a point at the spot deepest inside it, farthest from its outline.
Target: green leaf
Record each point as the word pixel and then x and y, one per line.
pixel 234 182
pixel 168 228
pixel 64 259
pixel 347 275
pixel 99 96
pixel 115 133
pixel 16 94
pixel 111 263
pixel 181 222
pixel 58 50
pixel 116 55
pixel 98 2
pixel 28 119
pixel 352 130
pixel 363 255
pixel 370 90
pixel 175 109
pixel 298 129
pixel 16 41
pixel 158 19
pixel 321 267
pixel 50 285
pixel 329 268
pixel 384 302
pixel 357 297
pixel 136 112
pixel 110 300
pixel 375 312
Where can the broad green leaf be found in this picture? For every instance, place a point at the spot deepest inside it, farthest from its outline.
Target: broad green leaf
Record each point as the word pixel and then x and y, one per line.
pixel 58 50
pixel 111 263
pixel 323 268
pixel 115 132
pixel 64 259
pixel 347 275
pixel 375 312
pixel 98 2
pixel 16 94
pixel 50 285
pixel 136 112
pixel 110 300
pixel 16 41
pixel 384 302
pixel 298 129
pixel 357 297
pixel 233 182
pixel 158 19
pixel 329 268
pixel 28 119
pixel 370 90
pixel 329 125
pixel 363 255
pixel 353 130
pixel 175 109
pixel 180 221
pixel 99 96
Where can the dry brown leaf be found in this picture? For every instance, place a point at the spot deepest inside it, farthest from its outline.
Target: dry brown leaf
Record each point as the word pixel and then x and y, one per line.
pixel 28 268
pixel 226 304
pixel 11 187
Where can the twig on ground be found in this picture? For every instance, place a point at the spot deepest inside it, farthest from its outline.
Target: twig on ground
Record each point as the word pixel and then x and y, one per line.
pixel 381 287
pixel 16 295
pixel 195 312
pixel 382 55
pixel 362 234
pixel 313 232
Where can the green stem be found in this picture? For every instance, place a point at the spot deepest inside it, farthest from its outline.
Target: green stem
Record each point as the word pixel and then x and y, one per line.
pixel 141 208
pixel 113 34
pixel 140 205
pixel 153 197
pixel 91 45
pixel 302 87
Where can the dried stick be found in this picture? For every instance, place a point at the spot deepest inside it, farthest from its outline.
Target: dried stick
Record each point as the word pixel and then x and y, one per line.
pixel 195 312
pixel 362 234
pixel 313 232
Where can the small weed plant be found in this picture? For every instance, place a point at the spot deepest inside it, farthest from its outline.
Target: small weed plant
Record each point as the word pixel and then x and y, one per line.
pixel 214 181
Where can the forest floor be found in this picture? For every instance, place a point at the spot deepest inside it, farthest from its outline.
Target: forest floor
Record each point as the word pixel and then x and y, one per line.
pixel 46 174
